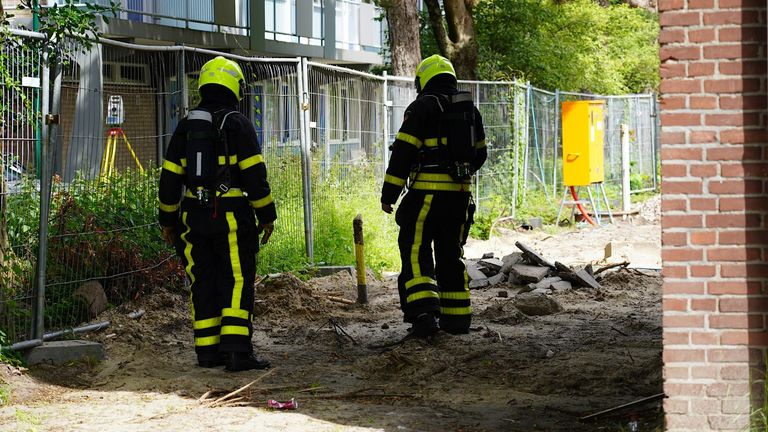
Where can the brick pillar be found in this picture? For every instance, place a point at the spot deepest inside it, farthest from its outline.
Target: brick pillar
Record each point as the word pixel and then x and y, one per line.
pixel 714 219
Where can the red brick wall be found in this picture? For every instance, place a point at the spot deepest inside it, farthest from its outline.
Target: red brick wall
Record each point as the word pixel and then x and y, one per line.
pixel 715 197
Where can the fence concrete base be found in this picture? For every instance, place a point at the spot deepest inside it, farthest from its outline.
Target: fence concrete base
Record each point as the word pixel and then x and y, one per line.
pixel 61 352
pixel 329 270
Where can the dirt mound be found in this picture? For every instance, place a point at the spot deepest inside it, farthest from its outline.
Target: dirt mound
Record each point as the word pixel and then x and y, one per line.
pixel 287 297
pixel 503 312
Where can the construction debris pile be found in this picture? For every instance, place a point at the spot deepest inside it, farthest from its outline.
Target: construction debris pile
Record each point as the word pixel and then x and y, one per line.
pixel 533 277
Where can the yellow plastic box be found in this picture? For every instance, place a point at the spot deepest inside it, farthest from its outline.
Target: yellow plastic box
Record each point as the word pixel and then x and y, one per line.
pixel 583 132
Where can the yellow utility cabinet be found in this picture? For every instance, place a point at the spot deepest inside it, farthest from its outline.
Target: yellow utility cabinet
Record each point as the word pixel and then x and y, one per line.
pixel 583 142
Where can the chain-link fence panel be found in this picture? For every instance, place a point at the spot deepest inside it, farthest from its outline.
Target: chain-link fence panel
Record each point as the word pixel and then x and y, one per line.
pixel 347 137
pixel 20 130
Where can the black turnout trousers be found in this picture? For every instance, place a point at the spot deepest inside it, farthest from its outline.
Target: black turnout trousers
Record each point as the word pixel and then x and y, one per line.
pixel 440 285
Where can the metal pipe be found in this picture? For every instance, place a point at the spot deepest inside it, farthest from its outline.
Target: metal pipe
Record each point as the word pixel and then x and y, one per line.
pixel 24 345
pixel 136 314
pixel 76 330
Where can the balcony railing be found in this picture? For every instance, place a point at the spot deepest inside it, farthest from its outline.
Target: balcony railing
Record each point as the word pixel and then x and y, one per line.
pixel 357 25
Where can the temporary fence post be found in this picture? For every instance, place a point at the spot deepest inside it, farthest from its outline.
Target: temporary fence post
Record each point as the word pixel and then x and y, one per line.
pixel 306 169
pixel 184 107
pixel 625 186
pixel 385 121
pixel 477 176
pixel 556 141
pixel 515 146
pixel 51 121
pixel 656 129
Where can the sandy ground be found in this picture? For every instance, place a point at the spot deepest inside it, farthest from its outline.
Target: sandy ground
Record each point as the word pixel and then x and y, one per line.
pixel 511 373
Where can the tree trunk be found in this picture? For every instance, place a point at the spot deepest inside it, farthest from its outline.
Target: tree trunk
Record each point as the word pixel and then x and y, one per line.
pixel 404 39
pixel 458 42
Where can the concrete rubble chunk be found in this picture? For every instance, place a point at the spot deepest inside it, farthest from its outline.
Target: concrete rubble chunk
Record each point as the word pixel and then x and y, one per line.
pixel 510 260
pixel 561 286
pixel 494 264
pixel 586 279
pixel 580 278
pixel 528 273
pixel 502 294
pixel 547 282
pixel 473 271
pixel 487 255
pixel 478 283
pixel 542 291
pixel 533 257
pixel 536 304
pixel 496 279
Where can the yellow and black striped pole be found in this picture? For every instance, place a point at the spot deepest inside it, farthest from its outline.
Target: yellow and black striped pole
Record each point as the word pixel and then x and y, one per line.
pixel 362 288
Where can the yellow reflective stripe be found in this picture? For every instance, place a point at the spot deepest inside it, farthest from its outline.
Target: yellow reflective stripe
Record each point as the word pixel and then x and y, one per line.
pixel 232 193
pixel 188 250
pixel 439 177
pixel 259 203
pixel 480 144
pixel 420 280
pixel 234 258
pixel 251 161
pixel 235 313
pixel 172 167
pixel 183 162
pixel 421 295
pixel 232 160
pixel 207 341
pixel 397 181
pixel 415 266
pixel 456 310
pixel 432 142
pixel 450 187
pixel 455 295
pixel 234 330
pixel 207 323
pixel 410 139
pixel 169 208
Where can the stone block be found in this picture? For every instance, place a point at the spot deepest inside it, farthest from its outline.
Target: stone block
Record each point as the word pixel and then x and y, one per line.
pixel 60 352
pixel 528 273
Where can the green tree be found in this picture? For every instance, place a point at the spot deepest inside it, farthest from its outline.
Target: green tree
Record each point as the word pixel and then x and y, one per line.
pixel 576 45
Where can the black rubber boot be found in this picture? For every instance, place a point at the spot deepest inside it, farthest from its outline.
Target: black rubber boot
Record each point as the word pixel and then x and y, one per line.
pixel 425 325
pixel 241 361
pixel 211 361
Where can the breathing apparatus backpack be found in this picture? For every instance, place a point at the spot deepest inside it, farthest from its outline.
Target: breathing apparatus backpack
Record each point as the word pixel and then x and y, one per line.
pixel 457 125
pixel 205 177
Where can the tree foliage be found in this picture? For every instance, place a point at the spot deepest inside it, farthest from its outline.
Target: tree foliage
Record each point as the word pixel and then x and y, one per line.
pixel 574 46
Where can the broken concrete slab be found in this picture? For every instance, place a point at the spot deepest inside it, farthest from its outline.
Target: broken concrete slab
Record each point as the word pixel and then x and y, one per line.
pixel 578 278
pixel 561 286
pixel 60 352
pixel 510 260
pixel 494 264
pixel 586 279
pixel 529 273
pixel 533 257
pixel 542 291
pixel 535 222
pixel 473 271
pixel 487 255
pixel 478 283
pixel 547 282
pixel 497 279
pixel 536 304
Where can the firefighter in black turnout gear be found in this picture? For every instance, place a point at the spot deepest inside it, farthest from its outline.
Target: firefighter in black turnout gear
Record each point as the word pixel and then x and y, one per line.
pixel 439 147
pixel 212 182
